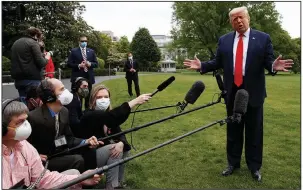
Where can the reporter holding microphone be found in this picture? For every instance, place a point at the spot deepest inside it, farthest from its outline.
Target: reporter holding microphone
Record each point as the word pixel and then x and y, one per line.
pixel 101 120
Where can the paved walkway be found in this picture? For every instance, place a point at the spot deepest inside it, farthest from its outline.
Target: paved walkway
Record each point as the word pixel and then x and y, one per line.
pixel 9 90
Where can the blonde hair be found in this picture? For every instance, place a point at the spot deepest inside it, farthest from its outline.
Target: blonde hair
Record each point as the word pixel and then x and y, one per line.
pixel 93 96
pixel 237 10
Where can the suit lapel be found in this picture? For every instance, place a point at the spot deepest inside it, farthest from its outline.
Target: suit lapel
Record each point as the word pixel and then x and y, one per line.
pixel 251 43
pixel 47 116
pixel 231 40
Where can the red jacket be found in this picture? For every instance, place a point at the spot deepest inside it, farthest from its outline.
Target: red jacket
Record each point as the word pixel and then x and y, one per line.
pixel 50 68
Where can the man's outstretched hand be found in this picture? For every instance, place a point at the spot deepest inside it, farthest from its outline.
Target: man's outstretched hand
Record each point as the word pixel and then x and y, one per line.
pixel 192 64
pixel 282 65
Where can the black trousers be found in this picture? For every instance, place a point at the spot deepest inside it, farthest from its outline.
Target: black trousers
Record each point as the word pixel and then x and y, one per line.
pixel 134 78
pixel 67 162
pixel 253 122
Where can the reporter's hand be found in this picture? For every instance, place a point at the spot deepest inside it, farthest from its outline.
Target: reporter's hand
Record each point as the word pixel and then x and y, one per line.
pixel 43 157
pixel 92 181
pixel 139 100
pixel 116 149
pixel 93 141
pixel 47 55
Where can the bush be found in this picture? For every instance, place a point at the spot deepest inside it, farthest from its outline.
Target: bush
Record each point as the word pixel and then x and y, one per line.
pixel 101 63
pixel 6 64
pixel 104 72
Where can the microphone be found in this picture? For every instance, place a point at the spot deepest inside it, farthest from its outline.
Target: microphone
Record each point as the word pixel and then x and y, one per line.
pixel 219 82
pixel 221 86
pixel 240 105
pixel 193 94
pixel 51 53
pixel 163 85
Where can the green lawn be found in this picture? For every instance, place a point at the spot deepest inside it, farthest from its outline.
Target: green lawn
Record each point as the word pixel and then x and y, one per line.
pixel 197 161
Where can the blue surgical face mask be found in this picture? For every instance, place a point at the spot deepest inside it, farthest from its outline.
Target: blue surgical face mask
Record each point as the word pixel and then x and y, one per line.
pixel 83 44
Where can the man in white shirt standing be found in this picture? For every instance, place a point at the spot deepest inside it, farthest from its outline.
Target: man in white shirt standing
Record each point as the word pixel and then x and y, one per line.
pixel 244 54
pixel 82 60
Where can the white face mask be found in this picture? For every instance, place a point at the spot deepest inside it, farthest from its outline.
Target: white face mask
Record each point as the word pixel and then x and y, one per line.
pixel 66 97
pixel 102 104
pixel 23 131
pixel 131 57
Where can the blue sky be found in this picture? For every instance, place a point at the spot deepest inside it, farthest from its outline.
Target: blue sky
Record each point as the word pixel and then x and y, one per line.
pixel 125 18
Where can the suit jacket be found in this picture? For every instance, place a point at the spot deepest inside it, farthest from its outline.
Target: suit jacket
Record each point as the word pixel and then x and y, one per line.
pixel 259 56
pixel 44 130
pixel 75 58
pixel 75 114
pixel 128 66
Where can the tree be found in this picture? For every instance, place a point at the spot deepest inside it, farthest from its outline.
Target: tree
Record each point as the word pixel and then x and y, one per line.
pixel 199 30
pixel 123 45
pixel 106 44
pixel 60 22
pixel 144 48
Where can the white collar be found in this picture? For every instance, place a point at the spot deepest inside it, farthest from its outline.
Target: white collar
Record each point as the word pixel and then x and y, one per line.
pixel 246 34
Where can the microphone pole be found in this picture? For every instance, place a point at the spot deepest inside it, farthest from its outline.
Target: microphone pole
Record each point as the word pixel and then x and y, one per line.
pixel 157 108
pixel 122 161
pixel 137 128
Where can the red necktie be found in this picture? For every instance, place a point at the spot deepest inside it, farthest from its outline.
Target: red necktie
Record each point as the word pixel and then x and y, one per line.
pixel 238 78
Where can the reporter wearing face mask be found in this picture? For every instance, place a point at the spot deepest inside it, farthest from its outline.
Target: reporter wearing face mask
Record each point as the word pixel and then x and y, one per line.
pixel 32 99
pixel 20 159
pixel 80 92
pixel 51 132
pixel 101 121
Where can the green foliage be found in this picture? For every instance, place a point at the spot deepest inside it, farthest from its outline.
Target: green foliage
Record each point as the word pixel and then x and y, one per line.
pixel 116 59
pixel 198 31
pixel 6 64
pixel 101 63
pixel 144 48
pixel 123 45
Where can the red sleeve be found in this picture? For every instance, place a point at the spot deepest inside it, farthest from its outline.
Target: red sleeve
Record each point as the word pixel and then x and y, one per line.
pixel 50 68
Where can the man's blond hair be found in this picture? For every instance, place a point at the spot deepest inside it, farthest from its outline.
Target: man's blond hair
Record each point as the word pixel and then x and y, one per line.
pixel 237 10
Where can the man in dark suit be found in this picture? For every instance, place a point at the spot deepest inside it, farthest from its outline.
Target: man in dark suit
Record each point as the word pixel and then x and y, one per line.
pixel 50 128
pixel 82 60
pixel 131 68
pixel 243 55
pixel 79 91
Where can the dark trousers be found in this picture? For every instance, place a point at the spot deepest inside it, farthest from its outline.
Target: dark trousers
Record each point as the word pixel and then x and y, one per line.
pixel 253 122
pixel 67 162
pixel 23 85
pixel 134 78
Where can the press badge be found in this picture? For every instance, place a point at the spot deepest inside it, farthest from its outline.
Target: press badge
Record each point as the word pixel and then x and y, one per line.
pixel 60 141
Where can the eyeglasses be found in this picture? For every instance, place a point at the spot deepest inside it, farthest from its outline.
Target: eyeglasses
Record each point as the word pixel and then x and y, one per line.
pixel 83 41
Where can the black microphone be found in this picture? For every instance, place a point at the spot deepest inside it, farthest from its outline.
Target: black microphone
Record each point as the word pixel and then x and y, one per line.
pixel 219 82
pixel 240 105
pixel 221 87
pixel 163 85
pixel 193 94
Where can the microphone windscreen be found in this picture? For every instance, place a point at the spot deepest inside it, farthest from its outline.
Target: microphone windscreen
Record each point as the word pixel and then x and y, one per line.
pixel 219 82
pixel 241 101
pixel 164 84
pixel 195 91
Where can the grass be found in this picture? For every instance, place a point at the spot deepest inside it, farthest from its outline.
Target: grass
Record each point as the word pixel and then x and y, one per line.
pixel 197 161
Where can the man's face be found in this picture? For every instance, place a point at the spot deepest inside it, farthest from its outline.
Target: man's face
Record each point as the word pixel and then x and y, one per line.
pixel 15 122
pixel 84 84
pixel 58 89
pixel 82 41
pixel 240 22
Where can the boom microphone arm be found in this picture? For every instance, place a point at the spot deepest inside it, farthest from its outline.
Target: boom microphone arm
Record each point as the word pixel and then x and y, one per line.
pixel 157 108
pixel 135 129
pixel 124 160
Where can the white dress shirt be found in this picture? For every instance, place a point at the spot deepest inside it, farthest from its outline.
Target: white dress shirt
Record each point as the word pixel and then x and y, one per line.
pixel 245 47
